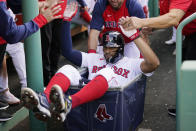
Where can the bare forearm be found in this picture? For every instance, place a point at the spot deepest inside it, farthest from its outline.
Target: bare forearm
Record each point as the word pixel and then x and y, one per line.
pixel 145 49
pixel 159 22
pixel 151 61
pixel 93 39
pixel 170 19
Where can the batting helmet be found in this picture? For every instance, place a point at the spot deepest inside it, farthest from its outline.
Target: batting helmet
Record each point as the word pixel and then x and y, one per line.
pixel 113 39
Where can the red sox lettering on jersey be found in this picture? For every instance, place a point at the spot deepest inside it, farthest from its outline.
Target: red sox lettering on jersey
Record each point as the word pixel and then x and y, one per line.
pixel 119 71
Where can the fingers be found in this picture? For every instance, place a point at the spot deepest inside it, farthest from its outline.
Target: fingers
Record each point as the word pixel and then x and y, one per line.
pixel 73 6
pixel 57 17
pixel 122 20
pixel 56 9
pixel 146 30
pixel 41 8
pixel 60 1
pixel 54 2
pixel 127 23
pixel 53 6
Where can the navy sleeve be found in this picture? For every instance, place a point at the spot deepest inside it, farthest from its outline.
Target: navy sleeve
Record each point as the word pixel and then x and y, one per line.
pixel 135 8
pixel 97 21
pixel 82 3
pixel 9 31
pixel 72 55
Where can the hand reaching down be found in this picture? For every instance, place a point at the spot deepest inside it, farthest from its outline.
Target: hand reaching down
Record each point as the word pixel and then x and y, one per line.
pixel 50 12
pixel 130 23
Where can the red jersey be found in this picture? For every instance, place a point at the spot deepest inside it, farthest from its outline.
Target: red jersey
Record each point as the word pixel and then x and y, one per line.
pixel 188 6
pixel 105 15
pixel 111 18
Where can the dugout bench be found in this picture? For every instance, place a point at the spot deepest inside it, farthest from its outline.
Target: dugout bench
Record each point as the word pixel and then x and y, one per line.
pixel 120 109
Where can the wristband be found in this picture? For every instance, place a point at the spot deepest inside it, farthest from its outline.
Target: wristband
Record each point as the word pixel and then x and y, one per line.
pixel 40 20
pixel 91 51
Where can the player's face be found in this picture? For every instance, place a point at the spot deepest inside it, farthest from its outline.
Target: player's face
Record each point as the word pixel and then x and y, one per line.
pixel 116 4
pixel 109 52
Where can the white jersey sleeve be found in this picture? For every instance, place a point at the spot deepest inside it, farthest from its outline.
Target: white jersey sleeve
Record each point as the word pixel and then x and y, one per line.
pixel 137 67
pixel 84 59
pixel 89 59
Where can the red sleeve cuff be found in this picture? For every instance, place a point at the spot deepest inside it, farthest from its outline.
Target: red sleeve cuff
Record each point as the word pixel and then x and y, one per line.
pixel 40 20
pixel 91 51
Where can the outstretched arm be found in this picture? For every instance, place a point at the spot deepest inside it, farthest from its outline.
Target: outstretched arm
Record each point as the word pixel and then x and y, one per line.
pixel 170 19
pixel 12 33
pixel 93 40
pixel 68 52
pixel 151 61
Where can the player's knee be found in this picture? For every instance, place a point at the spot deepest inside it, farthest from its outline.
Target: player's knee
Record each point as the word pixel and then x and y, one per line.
pixel 71 72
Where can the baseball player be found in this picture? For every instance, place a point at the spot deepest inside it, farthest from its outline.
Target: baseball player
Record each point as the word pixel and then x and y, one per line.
pixel 16 51
pixel 106 70
pixel 12 33
pixel 107 13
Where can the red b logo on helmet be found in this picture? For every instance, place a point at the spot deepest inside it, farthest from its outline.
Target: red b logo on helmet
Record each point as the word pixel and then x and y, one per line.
pixel 101 113
pixel 107 38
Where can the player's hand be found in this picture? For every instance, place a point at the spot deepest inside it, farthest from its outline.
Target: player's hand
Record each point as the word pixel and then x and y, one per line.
pixel 131 34
pixel 50 12
pixel 130 23
pixel 70 11
pixel 49 3
pixel 147 30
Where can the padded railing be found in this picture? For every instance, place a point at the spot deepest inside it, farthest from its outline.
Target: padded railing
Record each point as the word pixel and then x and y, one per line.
pixel 186 85
pixel 153 8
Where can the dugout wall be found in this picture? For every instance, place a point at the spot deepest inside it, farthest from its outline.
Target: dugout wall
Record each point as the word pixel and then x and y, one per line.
pixel 120 109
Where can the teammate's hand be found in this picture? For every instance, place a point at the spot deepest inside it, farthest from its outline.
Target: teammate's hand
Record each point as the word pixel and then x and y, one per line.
pixel 70 11
pixel 130 23
pixel 50 12
pixel 49 3
pixel 147 30
pixel 131 34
